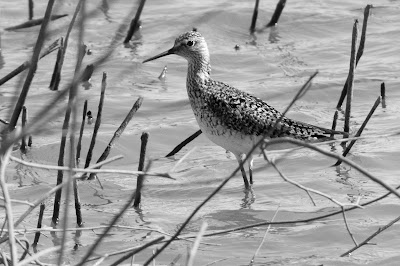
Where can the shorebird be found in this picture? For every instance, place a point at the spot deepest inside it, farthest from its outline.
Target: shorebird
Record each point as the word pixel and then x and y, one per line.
pixel 229 117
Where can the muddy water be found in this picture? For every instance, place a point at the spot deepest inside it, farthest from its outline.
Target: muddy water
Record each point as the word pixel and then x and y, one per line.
pixel 311 36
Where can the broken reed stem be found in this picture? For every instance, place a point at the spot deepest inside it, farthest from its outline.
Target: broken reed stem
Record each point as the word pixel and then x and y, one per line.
pixel 184 143
pixel 137 250
pixel 350 82
pixel 334 122
pixel 127 205
pixel 32 68
pixel 383 94
pixel 24 118
pixel 77 200
pixel 135 22
pixel 139 182
pixel 254 17
pixel 98 120
pixel 360 130
pixel 278 11
pixel 57 71
pixel 39 224
pixel 380 230
pixel 4 158
pixel 30 6
pixel 119 131
pixel 79 145
pixel 26 64
pixel 359 54
pixel 56 77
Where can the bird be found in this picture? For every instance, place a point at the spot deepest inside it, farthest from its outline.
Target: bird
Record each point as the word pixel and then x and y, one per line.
pixel 229 117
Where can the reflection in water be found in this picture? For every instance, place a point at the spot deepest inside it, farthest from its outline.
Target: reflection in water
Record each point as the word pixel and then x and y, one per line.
pixel 104 7
pixel 274 36
pixel 249 198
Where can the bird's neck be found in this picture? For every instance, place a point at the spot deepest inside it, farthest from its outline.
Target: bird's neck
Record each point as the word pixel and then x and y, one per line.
pixel 199 70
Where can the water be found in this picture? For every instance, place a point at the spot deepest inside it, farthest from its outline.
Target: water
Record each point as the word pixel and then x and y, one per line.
pixel 312 35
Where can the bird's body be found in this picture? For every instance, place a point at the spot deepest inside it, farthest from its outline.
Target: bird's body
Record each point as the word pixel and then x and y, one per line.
pixel 231 118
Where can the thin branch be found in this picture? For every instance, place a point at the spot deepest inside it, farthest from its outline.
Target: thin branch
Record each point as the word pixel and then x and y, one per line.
pixel 347 226
pixel 380 230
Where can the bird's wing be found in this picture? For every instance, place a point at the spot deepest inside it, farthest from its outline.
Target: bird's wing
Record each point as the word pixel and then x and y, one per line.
pixel 248 114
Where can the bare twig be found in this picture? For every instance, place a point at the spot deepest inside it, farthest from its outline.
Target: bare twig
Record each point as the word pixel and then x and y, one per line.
pixel 347 225
pixel 380 230
pixel 119 131
pixel 34 22
pixel 360 130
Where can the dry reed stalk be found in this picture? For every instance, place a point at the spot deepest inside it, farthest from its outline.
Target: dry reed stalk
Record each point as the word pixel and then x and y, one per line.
pixel 360 130
pixel 56 77
pixel 135 24
pixel 347 226
pixel 54 46
pixel 359 54
pixel 254 17
pixel 51 192
pixel 350 81
pixel 265 236
pixel 139 182
pixel 90 169
pixel 196 244
pixel 334 122
pixel 383 94
pixel 35 22
pixel 24 118
pixel 57 71
pixel 4 158
pixel 137 250
pixel 184 143
pixel 79 145
pixel 380 230
pixel 30 6
pixel 119 131
pixel 32 68
pixel 92 248
pixel 278 11
pixel 98 120
pixel 39 224
pixel 74 114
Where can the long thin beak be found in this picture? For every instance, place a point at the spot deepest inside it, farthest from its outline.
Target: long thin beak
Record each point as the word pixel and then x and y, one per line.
pixel 170 51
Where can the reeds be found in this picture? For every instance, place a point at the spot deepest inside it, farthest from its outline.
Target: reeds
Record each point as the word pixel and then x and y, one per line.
pixel 10 233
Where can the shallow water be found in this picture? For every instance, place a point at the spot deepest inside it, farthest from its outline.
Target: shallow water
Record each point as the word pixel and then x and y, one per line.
pixel 273 65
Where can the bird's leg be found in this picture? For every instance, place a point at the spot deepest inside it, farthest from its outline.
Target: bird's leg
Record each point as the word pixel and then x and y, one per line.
pixel 250 160
pixel 240 161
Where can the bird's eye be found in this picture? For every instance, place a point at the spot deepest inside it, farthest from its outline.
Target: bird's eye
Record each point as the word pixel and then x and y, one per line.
pixel 190 43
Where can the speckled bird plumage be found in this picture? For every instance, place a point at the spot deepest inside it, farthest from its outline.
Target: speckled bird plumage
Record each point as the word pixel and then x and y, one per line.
pixel 231 118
